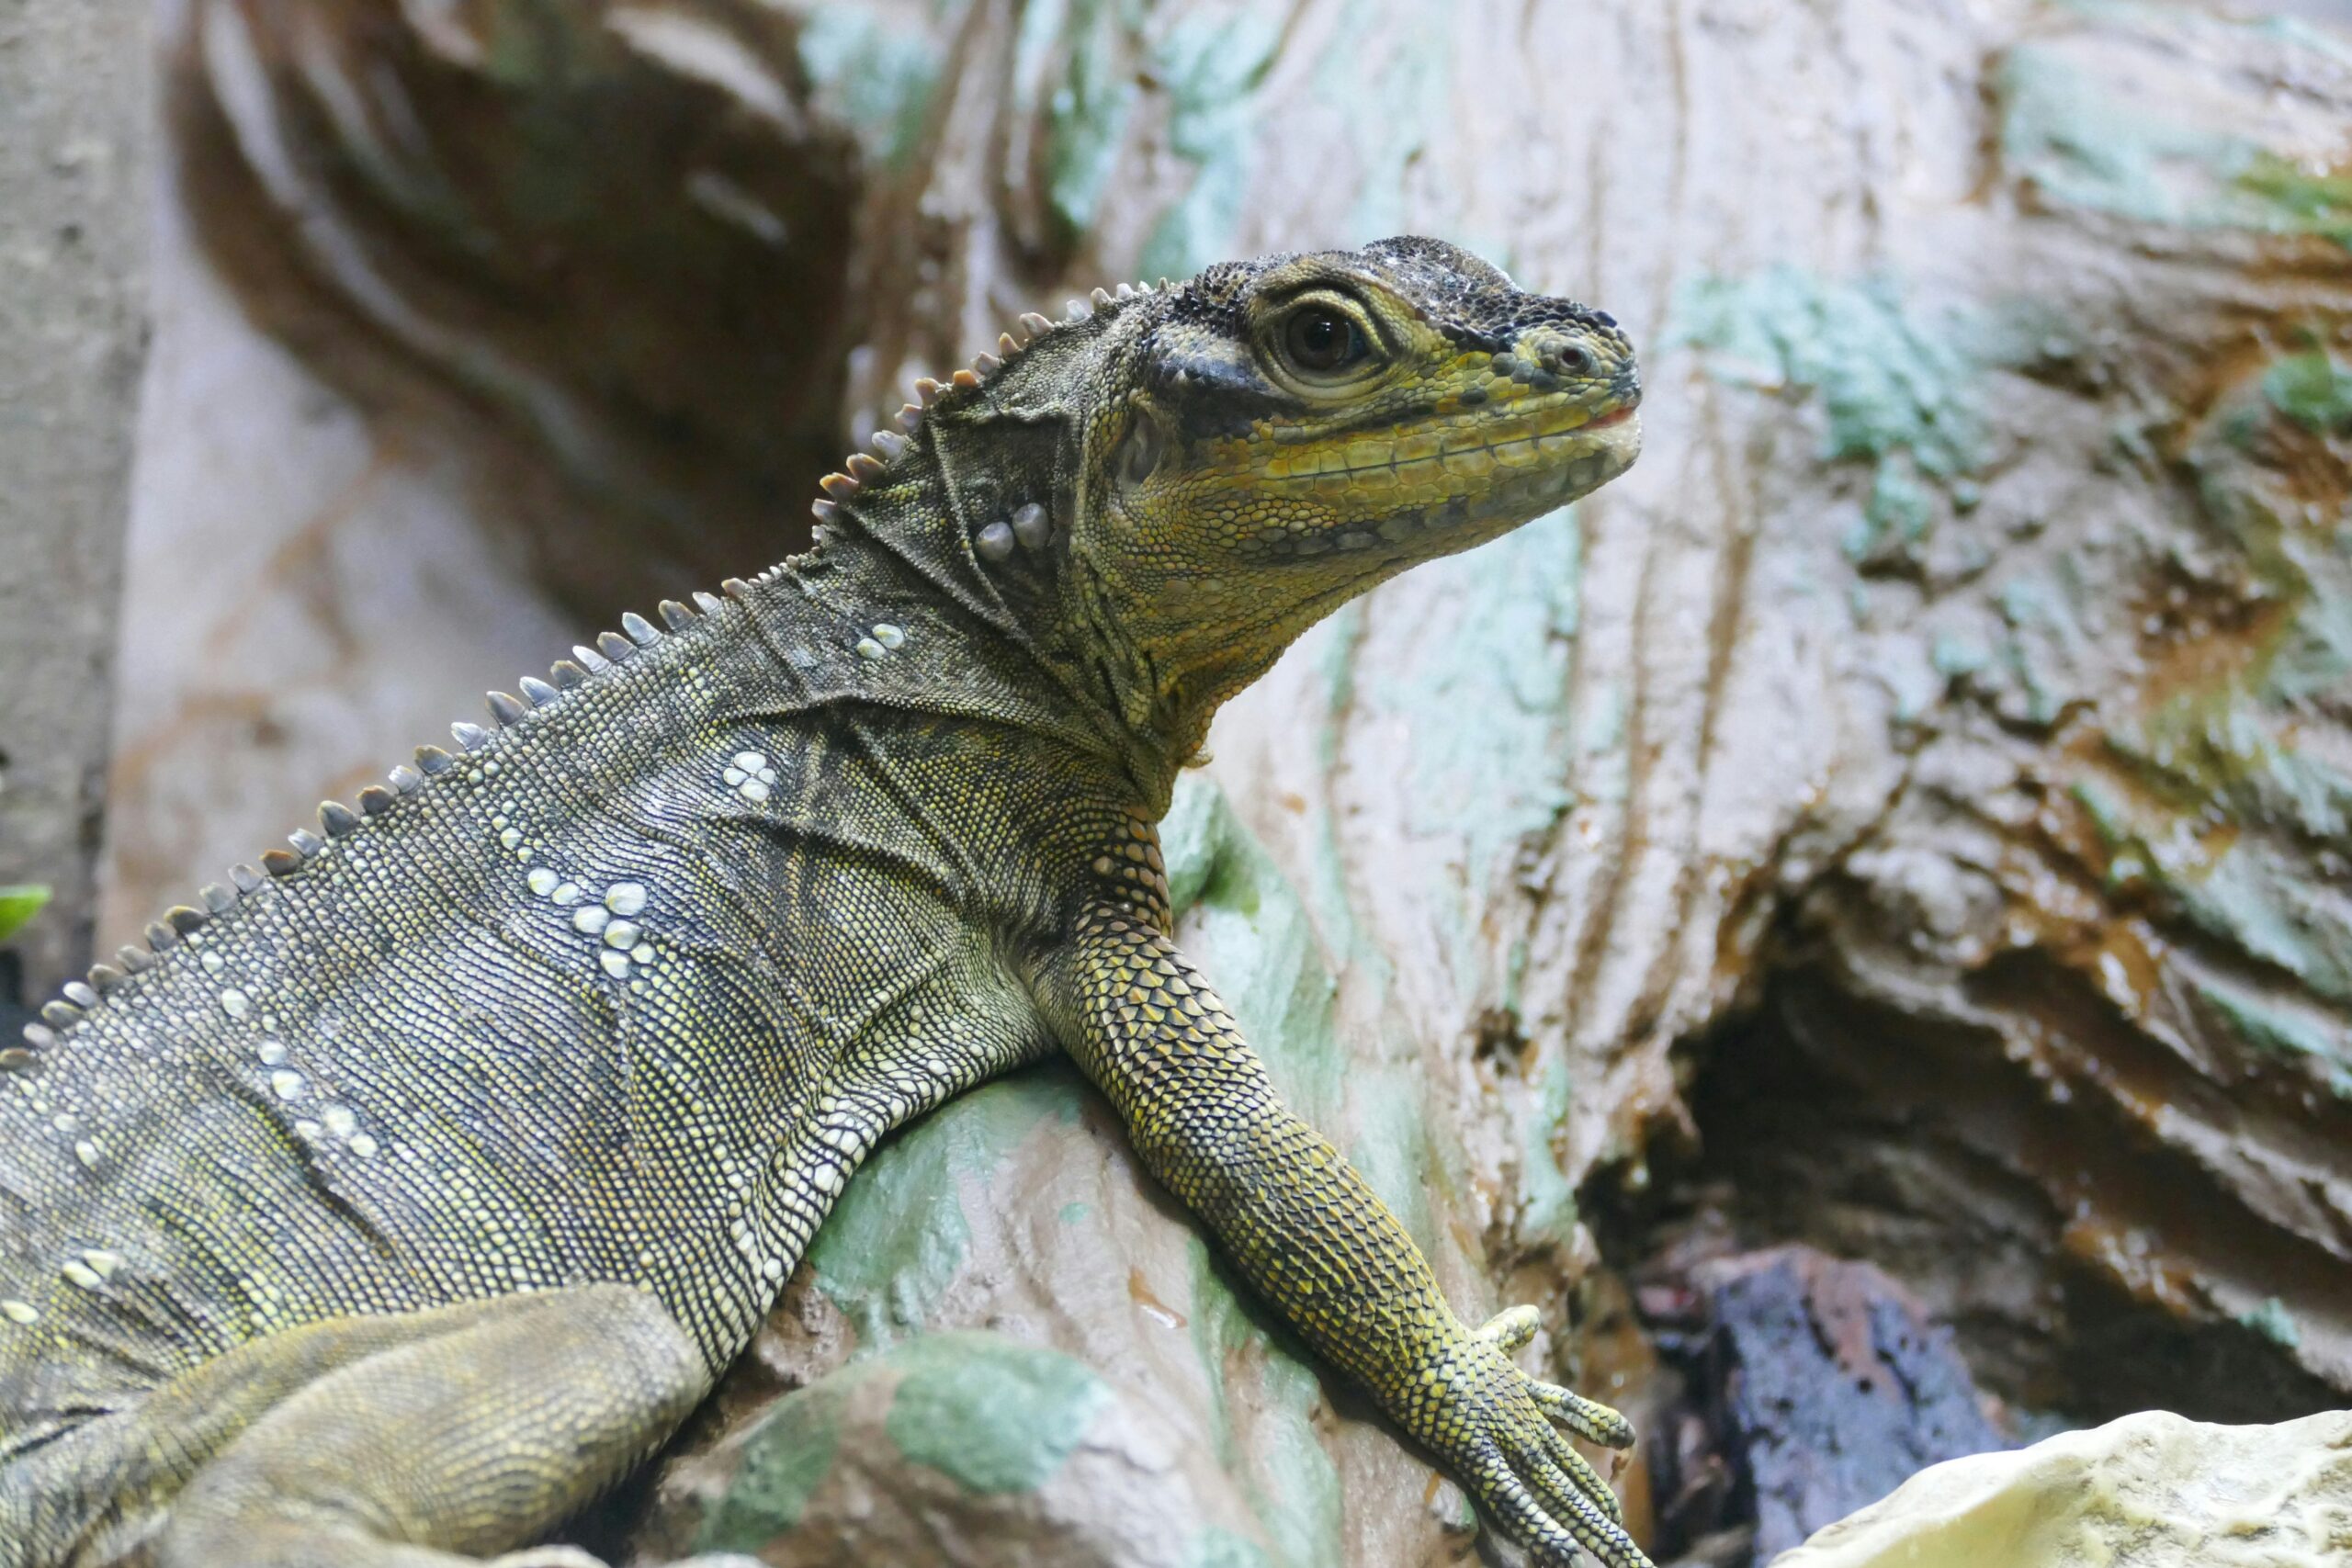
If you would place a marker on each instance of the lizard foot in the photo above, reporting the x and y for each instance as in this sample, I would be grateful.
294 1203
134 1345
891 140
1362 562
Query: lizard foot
1495 1426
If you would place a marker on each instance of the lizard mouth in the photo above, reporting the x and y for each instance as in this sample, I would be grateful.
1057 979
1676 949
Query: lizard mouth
1461 447
1441 491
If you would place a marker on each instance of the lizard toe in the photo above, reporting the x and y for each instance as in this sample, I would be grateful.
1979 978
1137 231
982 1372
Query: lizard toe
1510 1328
1588 1418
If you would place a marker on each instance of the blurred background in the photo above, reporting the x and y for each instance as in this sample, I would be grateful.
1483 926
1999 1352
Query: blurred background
1854 921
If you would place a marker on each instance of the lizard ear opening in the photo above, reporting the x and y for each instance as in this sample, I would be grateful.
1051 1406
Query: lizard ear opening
1142 448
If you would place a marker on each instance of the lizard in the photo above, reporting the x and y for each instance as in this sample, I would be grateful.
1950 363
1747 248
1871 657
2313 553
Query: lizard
410 1188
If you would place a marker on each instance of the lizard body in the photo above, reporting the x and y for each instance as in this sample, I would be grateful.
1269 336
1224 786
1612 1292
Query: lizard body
387 1209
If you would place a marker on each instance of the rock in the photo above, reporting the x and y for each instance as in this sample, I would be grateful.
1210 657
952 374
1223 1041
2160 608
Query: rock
1823 1383
2149 1491
971 1448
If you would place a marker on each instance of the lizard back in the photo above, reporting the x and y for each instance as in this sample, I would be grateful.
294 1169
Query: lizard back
579 1002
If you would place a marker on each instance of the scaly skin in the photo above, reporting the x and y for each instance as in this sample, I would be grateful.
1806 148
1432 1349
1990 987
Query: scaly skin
411 1193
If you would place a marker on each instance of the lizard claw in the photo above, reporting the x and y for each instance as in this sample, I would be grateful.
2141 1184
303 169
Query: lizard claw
1493 1426
1552 1522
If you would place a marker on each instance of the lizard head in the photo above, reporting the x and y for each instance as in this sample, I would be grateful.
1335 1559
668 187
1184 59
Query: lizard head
1165 490
1274 437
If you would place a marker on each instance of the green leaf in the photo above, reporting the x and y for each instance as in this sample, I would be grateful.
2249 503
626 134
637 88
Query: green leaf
19 904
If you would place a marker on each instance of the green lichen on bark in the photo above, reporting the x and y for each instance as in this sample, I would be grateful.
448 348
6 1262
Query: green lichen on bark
785 1459
2087 134
873 77
1072 78
897 1240
1898 385
994 1415
2314 391
1212 60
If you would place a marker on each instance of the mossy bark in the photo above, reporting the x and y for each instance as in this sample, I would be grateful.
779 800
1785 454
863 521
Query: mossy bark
1909 814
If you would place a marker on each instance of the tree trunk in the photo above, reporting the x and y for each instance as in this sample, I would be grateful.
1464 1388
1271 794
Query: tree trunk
74 206
1906 815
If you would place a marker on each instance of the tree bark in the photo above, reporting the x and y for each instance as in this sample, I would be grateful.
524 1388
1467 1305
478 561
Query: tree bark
74 205
1907 815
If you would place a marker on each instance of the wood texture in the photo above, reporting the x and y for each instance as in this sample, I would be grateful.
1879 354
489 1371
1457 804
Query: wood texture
1907 815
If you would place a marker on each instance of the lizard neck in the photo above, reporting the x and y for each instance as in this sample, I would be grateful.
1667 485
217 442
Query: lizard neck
1034 634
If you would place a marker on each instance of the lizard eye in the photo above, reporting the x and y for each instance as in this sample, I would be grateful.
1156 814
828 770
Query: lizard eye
1320 340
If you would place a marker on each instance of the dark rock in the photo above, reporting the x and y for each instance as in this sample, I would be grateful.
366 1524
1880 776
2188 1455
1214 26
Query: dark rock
1823 1384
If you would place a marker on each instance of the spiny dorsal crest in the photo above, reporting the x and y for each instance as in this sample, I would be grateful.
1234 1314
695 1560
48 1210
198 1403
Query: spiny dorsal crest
339 821
891 444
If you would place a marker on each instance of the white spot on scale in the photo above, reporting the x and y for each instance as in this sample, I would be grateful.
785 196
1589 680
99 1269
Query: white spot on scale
23 1313
235 1002
286 1084
541 880
625 898
622 934
272 1054
88 1152
82 1274
591 919
615 964
750 775
362 1145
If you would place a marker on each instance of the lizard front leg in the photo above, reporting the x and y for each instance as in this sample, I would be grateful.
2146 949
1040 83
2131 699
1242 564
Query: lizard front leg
1314 1240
